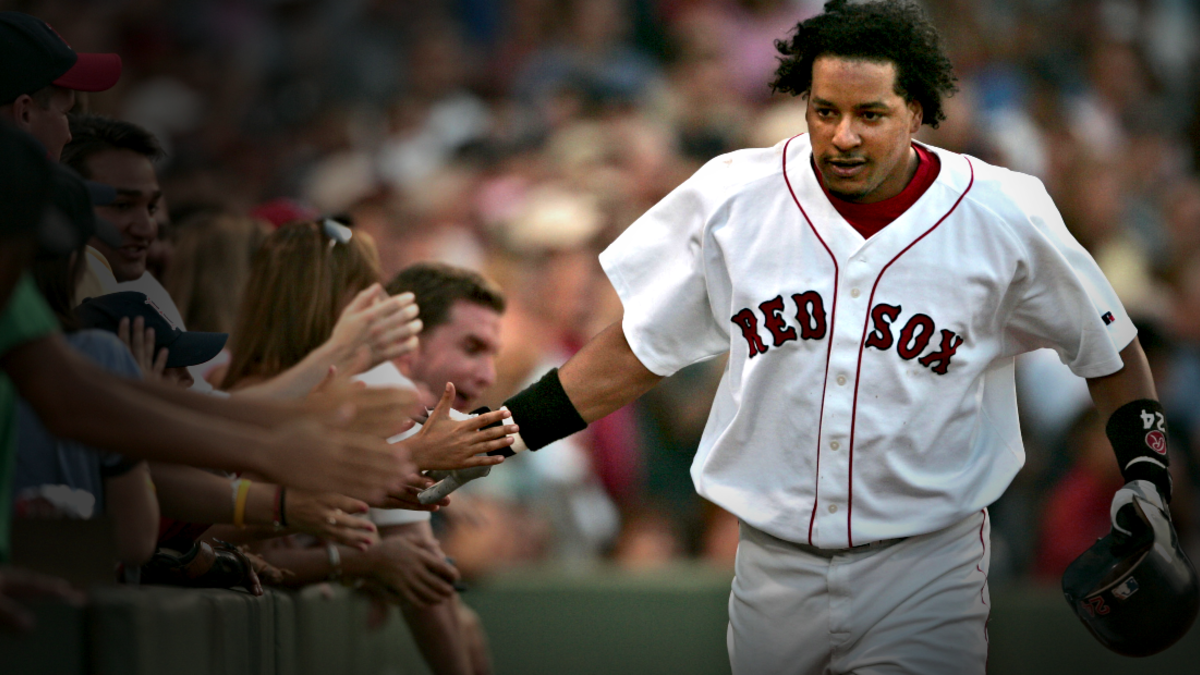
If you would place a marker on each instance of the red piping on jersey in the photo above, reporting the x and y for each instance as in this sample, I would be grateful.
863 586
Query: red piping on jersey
982 553
829 349
979 567
863 341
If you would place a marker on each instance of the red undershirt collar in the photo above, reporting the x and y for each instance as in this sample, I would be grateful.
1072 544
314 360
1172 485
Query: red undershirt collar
871 218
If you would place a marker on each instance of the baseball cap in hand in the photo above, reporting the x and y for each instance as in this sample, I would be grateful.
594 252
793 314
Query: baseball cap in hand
71 222
35 57
185 348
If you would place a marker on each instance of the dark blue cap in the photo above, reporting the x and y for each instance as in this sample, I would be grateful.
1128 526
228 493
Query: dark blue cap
185 348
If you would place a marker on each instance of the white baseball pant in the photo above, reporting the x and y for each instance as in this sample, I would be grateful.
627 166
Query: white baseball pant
915 606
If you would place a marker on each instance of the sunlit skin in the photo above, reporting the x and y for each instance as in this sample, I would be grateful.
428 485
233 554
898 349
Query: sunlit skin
861 129
462 350
133 212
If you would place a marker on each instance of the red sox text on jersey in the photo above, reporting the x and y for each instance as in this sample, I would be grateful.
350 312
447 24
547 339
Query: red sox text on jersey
915 336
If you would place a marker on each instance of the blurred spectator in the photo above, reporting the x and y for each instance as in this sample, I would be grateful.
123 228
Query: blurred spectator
209 269
42 74
302 279
117 486
592 63
121 155
304 300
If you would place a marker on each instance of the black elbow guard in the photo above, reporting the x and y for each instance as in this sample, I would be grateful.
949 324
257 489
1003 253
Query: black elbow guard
544 412
1138 433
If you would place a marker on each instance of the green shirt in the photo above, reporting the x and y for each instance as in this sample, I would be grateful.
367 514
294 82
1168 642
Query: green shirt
25 319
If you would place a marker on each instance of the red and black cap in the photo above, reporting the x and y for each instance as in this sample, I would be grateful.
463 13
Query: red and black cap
34 57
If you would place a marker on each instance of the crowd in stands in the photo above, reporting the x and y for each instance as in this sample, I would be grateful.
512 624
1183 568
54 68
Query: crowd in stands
293 237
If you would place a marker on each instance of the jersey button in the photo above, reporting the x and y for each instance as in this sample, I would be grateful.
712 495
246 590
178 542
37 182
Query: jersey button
835 445
841 379
854 293
833 508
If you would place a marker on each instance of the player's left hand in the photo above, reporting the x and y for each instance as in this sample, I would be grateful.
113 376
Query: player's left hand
1129 511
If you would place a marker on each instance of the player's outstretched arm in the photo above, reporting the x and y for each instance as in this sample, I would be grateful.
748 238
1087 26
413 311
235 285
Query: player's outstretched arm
601 378
605 375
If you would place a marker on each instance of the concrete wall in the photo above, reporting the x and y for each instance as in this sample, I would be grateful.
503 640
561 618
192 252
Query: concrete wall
538 621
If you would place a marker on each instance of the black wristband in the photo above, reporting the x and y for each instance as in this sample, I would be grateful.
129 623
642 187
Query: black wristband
1138 433
544 412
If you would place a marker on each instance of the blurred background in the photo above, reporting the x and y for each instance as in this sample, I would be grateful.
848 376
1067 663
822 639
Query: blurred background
519 137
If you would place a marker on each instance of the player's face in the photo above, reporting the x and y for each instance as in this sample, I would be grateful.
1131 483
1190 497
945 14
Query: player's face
463 351
861 128
133 212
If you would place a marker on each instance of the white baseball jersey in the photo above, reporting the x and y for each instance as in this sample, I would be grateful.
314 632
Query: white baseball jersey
869 391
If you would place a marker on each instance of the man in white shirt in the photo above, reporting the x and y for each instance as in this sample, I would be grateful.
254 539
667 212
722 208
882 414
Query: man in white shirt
461 313
122 155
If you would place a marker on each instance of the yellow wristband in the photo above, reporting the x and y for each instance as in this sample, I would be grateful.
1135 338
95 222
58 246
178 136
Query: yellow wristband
239 508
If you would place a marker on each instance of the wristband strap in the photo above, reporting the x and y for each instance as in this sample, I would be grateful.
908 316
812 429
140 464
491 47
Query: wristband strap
1138 433
544 412
239 505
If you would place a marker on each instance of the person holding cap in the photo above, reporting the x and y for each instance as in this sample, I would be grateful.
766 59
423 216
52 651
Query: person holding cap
161 348
40 76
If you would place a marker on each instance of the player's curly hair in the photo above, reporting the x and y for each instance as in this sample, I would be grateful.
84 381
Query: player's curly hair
886 30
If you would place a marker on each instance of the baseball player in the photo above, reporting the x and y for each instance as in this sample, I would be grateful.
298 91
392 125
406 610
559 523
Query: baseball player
871 293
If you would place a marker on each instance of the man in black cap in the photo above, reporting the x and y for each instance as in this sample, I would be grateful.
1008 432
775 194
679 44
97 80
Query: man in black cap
40 76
